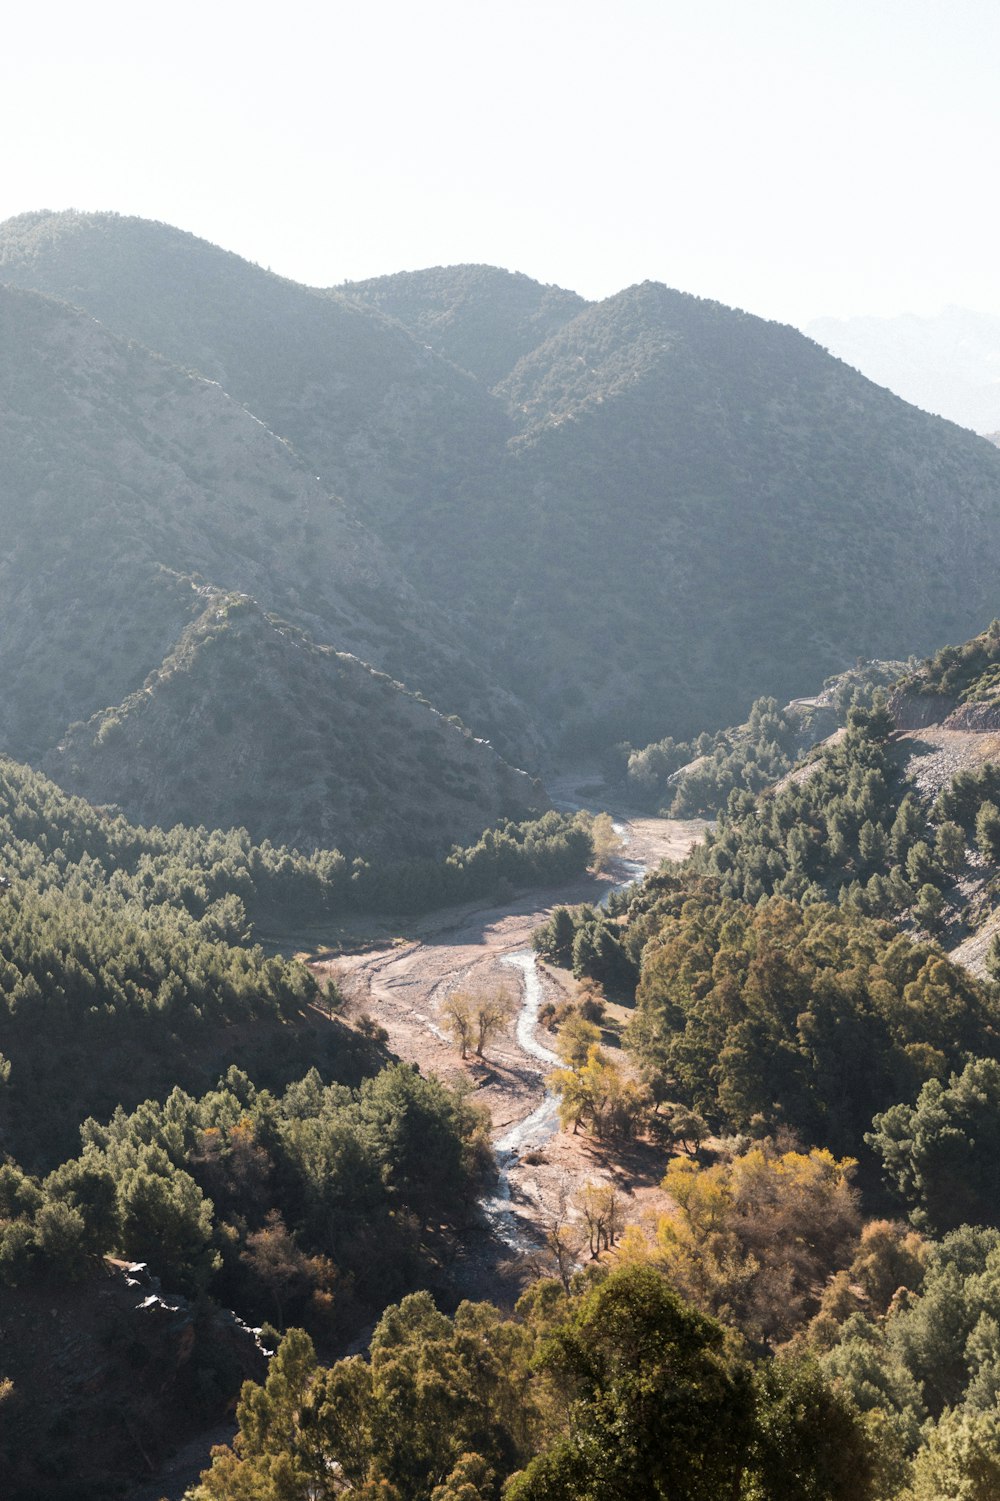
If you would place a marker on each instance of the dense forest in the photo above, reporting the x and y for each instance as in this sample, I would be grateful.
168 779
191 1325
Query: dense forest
815 1316
790 1005
682 778
173 1095
127 960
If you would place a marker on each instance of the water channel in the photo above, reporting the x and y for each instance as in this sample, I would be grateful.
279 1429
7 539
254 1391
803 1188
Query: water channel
541 1125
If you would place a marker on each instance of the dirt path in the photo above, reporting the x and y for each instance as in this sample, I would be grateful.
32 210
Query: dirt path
402 985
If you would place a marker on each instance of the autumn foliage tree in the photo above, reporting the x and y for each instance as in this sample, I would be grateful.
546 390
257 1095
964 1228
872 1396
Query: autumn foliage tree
596 1092
752 1240
475 1019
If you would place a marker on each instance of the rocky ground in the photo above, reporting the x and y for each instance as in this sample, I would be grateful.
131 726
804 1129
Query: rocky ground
933 756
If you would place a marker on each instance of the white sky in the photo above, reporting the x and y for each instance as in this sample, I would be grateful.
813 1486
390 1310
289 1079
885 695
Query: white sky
793 157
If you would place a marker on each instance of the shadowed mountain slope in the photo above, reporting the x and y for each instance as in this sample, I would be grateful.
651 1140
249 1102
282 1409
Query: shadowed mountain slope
738 509
248 722
481 318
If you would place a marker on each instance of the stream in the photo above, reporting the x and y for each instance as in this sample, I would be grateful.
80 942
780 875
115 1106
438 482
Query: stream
402 984
541 1125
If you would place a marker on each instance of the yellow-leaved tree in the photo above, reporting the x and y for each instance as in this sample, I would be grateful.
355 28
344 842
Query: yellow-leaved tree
754 1240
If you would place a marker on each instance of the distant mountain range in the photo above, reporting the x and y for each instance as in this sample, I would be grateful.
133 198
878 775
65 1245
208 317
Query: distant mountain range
948 364
562 523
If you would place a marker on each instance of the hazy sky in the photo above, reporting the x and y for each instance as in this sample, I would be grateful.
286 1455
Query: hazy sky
793 157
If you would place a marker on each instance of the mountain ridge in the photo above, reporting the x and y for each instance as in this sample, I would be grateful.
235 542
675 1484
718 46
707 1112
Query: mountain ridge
482 318
626 533
130 484
248 722
948 363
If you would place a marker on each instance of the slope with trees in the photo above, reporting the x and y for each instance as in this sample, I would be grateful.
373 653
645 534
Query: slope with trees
616 1388
481 318
657 468
129 484
249 722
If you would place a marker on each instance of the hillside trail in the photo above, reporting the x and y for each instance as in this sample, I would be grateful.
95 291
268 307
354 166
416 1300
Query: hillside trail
401 986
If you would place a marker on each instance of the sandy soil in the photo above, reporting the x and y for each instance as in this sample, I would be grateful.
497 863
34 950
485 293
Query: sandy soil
401 986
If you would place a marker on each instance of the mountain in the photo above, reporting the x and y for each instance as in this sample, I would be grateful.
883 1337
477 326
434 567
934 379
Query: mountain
710 506
129 487
948 364
699 506
248 722
663 509
383 419
483 319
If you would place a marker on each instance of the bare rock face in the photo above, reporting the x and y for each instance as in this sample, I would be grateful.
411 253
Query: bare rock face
917 711
978 717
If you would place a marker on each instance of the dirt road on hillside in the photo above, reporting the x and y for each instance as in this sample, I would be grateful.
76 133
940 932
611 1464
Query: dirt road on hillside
401 987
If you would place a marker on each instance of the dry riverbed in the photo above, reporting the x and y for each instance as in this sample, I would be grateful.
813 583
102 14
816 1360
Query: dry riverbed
401 985
399 982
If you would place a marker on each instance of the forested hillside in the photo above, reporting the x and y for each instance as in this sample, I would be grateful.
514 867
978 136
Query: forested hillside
828 1082
171 1095
685 777
119 466
372 409
248 722
127 961
132 493
293 582
482 319
610 477
718 478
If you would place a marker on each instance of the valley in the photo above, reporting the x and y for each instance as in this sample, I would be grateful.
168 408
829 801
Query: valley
346 1044
401 986
400 983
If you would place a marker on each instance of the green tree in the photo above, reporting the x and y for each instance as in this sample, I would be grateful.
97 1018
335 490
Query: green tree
988 831
928 909
942 1155
166 1221
555 938
907 827
809 1444
960 1460
920 864
652 1407
274 1458
872 845
949 845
